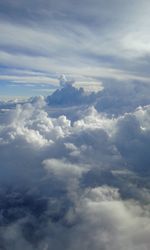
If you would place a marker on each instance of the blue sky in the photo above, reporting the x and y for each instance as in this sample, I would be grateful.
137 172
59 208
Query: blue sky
89 41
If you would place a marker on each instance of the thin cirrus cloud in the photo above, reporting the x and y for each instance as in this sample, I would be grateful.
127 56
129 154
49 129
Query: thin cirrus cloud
81 39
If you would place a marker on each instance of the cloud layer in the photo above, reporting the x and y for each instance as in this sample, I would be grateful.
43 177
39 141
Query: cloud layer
88 41
74 166
75 183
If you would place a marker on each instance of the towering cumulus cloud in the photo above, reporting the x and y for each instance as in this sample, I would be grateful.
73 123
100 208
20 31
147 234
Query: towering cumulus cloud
115 98
76 183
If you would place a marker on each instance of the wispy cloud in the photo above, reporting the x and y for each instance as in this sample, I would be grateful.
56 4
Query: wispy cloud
86 39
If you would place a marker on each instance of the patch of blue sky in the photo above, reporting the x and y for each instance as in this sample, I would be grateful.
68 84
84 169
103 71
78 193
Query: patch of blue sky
23 90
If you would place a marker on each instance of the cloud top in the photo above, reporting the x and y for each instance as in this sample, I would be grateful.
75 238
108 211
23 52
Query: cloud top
64 179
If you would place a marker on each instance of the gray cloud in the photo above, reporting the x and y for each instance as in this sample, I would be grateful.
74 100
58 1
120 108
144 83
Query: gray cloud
63 180
74 167
84 39
114 98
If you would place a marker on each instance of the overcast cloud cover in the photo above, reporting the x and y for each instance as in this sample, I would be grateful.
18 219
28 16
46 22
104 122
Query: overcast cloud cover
74 165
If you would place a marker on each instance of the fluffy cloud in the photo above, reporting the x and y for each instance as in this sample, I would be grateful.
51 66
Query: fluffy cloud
74 183
122 96
74 167
134 133
116 97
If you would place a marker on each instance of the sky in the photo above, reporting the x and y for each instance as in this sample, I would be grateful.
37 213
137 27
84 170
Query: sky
74 163
88 41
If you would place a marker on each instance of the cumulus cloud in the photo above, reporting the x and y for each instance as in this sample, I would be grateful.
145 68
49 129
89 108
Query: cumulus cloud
69 95
122 96
64 82
74 183
115 98
133 131
74 167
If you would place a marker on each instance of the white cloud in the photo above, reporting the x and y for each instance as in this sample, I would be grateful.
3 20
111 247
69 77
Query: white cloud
62 169
116 49
74 183
73 177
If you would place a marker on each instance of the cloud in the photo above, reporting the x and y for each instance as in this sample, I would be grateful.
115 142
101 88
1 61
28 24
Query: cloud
62 169
134 132
109 223
114 98
69 95
74 183
122 96
74 167
90 40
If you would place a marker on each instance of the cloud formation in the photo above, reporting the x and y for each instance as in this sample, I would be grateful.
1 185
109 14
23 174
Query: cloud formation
74 166
114 98
74 183
87 40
